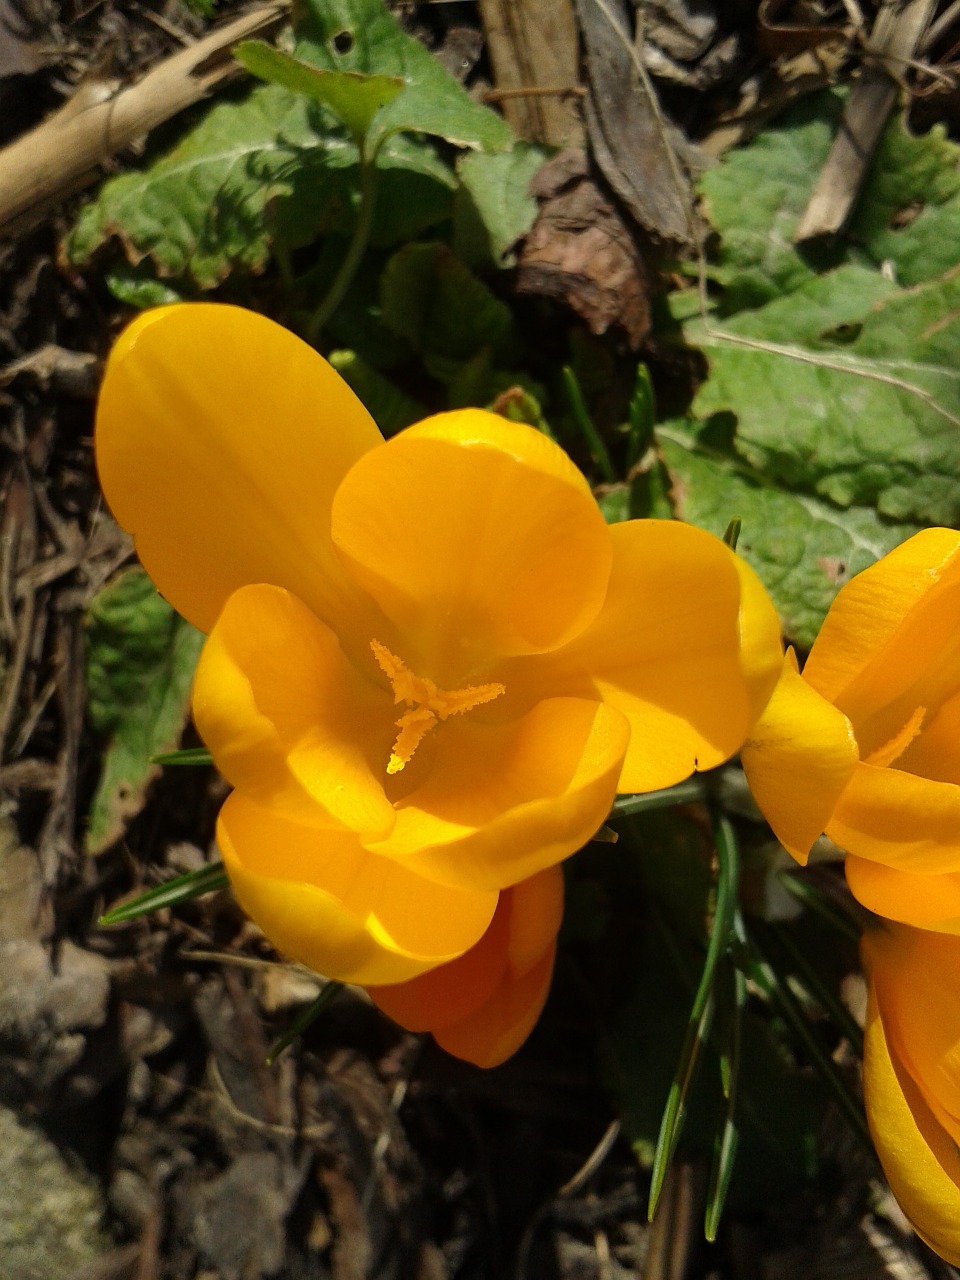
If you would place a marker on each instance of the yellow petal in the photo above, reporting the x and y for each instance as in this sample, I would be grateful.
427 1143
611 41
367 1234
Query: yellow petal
536 913
888 623
916 975
898 819
288 719
667 651
503 801
930 901
322 899
920 1159
798 759
220 441
500 1026
455 990
478 537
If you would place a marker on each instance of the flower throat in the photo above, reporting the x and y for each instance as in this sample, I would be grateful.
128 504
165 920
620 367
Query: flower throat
427 703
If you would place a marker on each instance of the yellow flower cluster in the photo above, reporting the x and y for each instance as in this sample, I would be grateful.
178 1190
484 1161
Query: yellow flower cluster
430 666
865 746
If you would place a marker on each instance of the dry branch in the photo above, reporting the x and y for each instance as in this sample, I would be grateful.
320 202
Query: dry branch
64 152
896 34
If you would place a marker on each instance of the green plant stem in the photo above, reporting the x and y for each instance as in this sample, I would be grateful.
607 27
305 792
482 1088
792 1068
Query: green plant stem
355 250
305 1018
683 793
598 450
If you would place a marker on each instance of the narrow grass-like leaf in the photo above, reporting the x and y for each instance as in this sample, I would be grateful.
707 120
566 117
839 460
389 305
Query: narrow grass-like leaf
683 793
304 1019
808 894
169 894
758 968
641 416
725 1147
188 756
731 535
701 1014
813 984
598 450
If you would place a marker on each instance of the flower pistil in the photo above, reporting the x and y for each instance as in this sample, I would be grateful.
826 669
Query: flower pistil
426 701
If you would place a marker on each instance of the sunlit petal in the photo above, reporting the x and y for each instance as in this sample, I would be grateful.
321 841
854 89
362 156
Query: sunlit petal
899 819
220 441
667 650
478 537
919 1157
503 801
324 900
798 759
930 901
888 623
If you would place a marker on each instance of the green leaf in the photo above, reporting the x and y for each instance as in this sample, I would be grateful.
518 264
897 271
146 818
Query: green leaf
361 35
189 756
169 894
429 297
353 97
250 175
493 208
304 1019
870 422
804 549
140 662
908 214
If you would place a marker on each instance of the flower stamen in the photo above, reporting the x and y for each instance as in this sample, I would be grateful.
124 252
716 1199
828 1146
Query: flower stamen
428 703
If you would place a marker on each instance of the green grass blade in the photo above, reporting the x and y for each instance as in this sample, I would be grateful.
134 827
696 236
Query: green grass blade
641 415
698 1027
758 968
189 755
598 450
304 1019
810 896
815 987
731 535
683 793
725 1147
169 894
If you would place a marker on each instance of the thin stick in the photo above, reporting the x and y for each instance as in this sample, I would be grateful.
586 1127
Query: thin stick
64 153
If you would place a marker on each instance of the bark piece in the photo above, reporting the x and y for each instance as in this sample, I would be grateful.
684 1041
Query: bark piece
581 252
533 48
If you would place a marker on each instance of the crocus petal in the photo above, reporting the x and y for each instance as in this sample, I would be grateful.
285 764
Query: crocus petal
288 719
324 900
798 759
220 441
521 938
919 1158
887 624
478 537
503 801
666 650
932 902
916 974
899 819
499 1027
453 991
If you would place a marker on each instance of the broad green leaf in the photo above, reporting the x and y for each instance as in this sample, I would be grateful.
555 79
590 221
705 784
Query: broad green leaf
266 170
908 214
870 422
140 662
429 297
804 549
361 35
493 208
352 97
